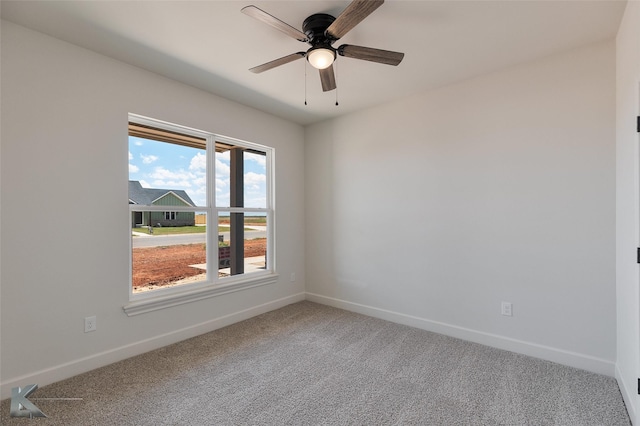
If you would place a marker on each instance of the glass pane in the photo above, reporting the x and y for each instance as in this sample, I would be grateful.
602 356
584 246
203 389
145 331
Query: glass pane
223 178
255 180
224 244
166 174
252 237
255 241
166 256
254 188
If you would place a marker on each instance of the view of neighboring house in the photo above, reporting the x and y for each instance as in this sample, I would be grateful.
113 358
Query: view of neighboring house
160 197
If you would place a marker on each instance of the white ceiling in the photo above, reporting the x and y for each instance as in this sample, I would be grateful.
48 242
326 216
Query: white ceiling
211 44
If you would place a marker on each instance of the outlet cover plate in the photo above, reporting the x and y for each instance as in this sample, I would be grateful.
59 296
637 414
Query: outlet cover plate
507 309
90 324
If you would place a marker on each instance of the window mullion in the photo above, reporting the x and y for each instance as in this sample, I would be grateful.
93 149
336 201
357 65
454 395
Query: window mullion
270 263
212 214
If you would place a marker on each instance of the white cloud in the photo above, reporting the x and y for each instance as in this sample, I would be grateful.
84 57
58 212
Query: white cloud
148 159
160 173
256 202
132 167
171 184
252 178
198 162
194 180
222 169
199 196
144 183
222 200
260 159
221 183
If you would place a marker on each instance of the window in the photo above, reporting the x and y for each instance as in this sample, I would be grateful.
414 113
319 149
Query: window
217 235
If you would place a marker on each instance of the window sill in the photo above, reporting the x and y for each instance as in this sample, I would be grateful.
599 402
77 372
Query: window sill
188 295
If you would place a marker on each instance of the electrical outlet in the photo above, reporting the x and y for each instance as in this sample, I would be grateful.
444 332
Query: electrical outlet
293 276
90 324
507 309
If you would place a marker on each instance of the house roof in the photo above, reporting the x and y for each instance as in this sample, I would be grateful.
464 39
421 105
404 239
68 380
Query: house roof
147 196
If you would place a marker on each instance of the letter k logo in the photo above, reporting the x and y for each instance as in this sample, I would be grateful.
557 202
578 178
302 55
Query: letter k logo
21 406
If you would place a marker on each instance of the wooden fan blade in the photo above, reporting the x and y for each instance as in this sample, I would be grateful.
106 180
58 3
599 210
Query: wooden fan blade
328 79
277 62
352 16
279 25
370 54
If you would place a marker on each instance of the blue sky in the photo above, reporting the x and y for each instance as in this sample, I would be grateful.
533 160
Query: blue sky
169 166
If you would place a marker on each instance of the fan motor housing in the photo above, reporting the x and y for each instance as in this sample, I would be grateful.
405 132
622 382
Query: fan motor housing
315 26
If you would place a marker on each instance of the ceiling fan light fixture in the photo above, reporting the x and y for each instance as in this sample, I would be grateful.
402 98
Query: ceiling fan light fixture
321 57
321 30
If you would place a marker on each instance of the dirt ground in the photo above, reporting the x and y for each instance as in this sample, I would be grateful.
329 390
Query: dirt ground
162 266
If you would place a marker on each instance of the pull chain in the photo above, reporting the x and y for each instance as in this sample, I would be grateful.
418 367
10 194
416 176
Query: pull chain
336 77
305 82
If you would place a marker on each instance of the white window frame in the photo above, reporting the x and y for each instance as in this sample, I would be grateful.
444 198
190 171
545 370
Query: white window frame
162 298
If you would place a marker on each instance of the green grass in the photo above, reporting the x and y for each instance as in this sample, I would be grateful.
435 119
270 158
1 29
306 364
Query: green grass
175 230
171 230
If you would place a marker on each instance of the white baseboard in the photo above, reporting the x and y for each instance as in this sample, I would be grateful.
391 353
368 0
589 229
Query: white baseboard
560 356
629 396
82 365
79 366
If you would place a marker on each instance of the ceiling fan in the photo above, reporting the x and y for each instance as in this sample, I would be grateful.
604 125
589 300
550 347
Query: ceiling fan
321 30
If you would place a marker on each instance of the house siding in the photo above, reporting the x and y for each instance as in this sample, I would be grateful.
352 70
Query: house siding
182 219
156 218
169 199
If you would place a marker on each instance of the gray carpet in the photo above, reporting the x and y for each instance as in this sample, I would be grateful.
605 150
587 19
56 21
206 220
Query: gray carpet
309 364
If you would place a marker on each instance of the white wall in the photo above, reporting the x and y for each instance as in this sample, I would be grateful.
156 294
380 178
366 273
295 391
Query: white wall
428 211
433 210
65 236
627 203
